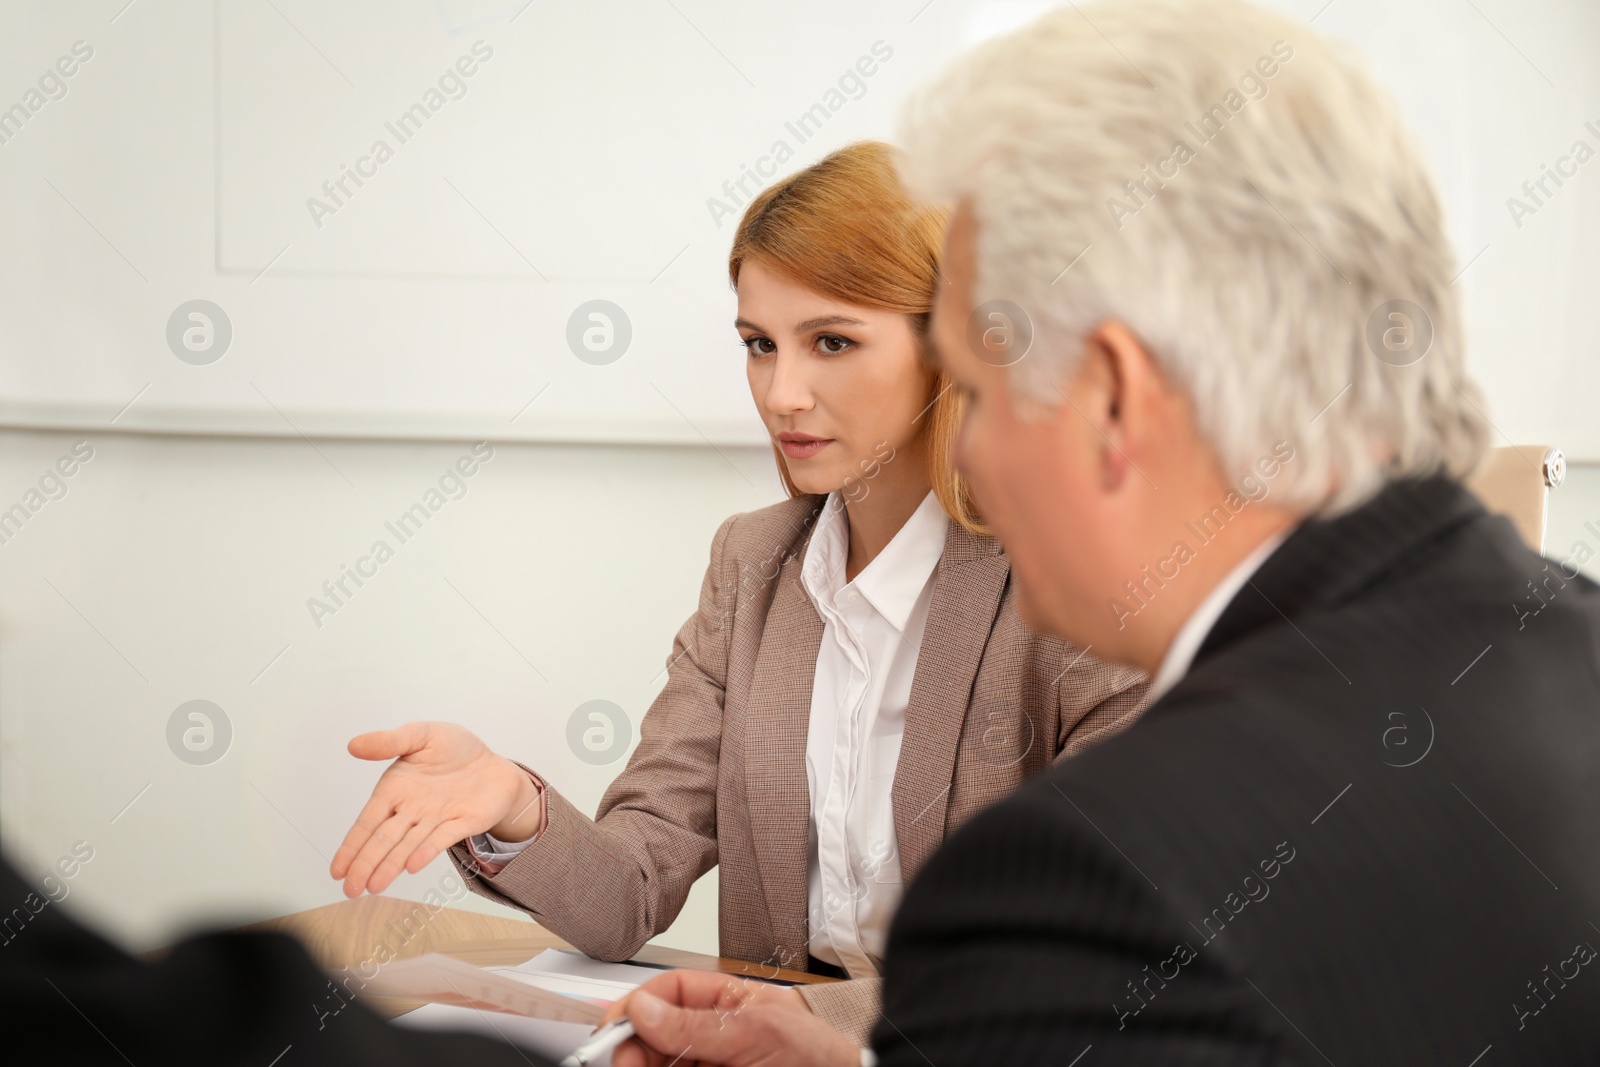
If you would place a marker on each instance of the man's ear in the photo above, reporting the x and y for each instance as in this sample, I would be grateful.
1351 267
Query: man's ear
1131 394
1098 391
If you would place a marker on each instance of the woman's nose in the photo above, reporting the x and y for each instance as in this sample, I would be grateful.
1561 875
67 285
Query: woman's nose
789 388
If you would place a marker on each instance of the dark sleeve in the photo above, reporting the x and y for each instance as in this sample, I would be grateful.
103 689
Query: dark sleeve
246 999
1028 938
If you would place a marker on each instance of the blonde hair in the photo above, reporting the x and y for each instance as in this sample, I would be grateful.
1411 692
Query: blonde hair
1240 193
844 227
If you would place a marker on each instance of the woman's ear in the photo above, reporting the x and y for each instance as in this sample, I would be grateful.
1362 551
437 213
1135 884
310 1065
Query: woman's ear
922 337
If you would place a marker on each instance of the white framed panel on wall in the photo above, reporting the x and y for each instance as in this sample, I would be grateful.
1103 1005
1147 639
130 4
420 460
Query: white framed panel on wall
495 218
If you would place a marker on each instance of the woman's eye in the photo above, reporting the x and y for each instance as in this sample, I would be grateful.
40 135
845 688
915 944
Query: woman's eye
833 344
758 346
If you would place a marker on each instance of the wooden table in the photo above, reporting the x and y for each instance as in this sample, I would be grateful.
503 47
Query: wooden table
351 932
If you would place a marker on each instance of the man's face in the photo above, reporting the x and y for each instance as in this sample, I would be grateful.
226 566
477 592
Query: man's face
1032 466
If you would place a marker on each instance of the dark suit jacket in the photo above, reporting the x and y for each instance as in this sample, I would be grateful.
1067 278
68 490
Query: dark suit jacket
243 999
1364 829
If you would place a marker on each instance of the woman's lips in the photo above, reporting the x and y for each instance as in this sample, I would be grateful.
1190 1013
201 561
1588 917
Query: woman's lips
803 449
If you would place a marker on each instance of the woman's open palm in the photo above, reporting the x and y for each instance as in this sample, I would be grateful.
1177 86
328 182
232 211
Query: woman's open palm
444 785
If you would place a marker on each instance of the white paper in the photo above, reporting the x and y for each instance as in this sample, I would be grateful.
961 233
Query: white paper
553 970
554 1040
554 961
566 985
443 979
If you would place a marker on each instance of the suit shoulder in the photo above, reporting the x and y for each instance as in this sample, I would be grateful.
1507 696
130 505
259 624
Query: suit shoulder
755 536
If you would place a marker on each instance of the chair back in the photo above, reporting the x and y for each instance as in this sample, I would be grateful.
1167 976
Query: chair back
1516 482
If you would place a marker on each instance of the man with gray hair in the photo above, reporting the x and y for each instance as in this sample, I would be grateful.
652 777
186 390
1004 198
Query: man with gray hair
1198 295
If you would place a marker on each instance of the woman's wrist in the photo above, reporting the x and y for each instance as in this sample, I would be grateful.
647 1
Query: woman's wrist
525 816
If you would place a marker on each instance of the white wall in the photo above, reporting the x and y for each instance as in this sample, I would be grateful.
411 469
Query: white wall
179 568
580 165
1573 519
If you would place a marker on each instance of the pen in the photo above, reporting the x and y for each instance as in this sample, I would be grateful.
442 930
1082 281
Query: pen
604 1039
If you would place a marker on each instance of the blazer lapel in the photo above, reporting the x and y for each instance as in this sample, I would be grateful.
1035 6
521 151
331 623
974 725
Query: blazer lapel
966 595
777 719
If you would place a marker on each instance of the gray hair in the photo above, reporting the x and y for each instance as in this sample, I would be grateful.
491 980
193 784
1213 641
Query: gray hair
1242 195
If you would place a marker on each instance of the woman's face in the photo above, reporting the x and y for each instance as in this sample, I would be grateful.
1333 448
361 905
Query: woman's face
841 388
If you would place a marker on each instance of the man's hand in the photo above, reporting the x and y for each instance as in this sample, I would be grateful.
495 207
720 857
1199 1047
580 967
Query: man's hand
686 1018
444 785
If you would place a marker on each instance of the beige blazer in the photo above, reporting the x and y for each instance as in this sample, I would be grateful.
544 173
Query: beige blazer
719 775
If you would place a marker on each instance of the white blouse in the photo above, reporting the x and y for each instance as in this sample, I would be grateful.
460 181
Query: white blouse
871 636
872 632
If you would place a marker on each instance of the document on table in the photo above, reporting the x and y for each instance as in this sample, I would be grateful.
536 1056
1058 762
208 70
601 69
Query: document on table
578 975
445 980
586 985
555 1041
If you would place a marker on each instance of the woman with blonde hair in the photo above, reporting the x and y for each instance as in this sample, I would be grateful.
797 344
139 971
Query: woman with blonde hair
856 681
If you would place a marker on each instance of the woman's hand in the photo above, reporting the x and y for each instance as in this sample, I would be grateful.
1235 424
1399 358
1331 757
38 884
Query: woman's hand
685 1018
444 785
